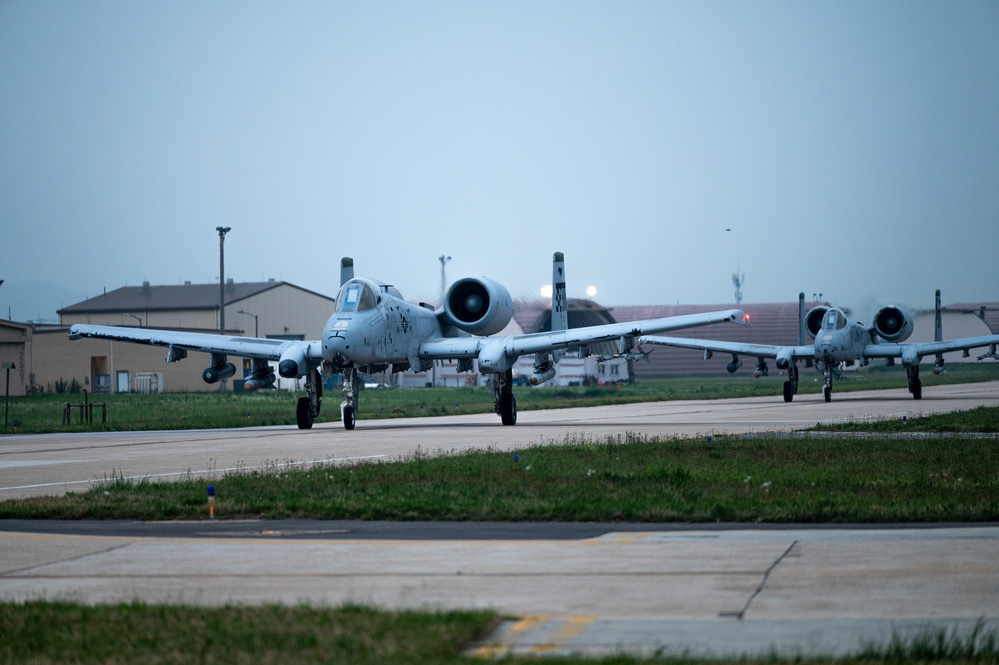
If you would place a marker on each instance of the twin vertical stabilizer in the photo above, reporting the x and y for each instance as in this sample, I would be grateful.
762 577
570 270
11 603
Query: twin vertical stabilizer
346 270
560 308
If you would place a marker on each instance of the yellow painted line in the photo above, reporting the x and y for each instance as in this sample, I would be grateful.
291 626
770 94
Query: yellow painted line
528 623
502 648
572 627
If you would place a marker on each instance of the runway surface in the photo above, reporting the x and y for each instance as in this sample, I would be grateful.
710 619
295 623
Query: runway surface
589 588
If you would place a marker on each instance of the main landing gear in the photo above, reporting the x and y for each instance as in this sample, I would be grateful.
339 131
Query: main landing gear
348 407
308 407
915 384
506 403
827 386
791 385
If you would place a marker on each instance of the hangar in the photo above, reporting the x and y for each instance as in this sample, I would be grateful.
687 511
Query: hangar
272 309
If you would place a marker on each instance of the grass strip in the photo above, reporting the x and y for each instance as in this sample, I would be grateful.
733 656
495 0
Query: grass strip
44 633
982 419
59 632
879 478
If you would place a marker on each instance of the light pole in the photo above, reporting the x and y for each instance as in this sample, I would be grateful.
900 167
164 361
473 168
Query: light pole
134 317
256 322
6 411
222 231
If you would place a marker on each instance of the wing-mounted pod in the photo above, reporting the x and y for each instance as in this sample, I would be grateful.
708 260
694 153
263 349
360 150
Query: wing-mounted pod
813 320
219 370
892 324
478 305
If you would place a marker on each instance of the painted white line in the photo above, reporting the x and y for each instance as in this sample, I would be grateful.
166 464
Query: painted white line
16 464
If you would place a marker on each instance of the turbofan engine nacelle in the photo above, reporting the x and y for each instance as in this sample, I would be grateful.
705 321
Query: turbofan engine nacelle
813 320
292 363
478 305
893 324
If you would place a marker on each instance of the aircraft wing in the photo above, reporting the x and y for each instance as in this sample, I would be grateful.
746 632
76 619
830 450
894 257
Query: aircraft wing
737 348
514 346
911 352
244 347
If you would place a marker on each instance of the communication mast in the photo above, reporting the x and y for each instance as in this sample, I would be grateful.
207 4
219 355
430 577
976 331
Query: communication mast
738 279
443 259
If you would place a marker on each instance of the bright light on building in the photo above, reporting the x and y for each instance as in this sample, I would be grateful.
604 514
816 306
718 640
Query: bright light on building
591 291
546 291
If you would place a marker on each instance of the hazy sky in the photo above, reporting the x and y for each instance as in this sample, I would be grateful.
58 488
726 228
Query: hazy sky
851 147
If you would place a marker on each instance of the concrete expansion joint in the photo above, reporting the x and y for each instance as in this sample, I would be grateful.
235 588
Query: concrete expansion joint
21 571
741 614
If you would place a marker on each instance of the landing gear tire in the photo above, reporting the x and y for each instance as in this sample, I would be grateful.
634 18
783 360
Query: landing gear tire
788 391
508 409
303 413
917 389
348 417
827 393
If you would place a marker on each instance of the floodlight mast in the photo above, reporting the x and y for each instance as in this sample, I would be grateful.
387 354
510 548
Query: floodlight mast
222 231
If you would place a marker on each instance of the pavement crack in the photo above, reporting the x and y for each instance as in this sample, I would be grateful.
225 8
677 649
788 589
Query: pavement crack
741 614
20 572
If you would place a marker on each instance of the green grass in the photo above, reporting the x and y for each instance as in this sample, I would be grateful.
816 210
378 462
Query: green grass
44 633
54 632
127 412
877 478
982 419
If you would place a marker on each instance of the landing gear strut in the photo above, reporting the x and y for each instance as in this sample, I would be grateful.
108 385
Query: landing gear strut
791 385
915 384
827 387
506 403
348 407
308 407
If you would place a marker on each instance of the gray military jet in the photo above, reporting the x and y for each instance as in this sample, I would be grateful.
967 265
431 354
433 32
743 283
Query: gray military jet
373 329
839 341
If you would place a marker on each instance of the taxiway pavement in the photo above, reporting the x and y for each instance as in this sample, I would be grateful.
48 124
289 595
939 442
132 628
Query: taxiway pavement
597 589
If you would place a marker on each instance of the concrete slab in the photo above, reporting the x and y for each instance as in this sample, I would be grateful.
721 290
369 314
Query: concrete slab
739 591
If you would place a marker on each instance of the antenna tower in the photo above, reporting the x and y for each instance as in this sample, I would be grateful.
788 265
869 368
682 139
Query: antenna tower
738 279
443 259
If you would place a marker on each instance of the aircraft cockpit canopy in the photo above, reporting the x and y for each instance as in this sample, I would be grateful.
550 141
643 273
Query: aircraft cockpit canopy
356 296
835 320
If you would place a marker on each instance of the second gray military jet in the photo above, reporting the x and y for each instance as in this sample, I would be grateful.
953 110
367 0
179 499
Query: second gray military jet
839 341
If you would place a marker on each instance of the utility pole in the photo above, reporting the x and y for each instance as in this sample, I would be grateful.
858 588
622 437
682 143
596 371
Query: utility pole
222 231
6 412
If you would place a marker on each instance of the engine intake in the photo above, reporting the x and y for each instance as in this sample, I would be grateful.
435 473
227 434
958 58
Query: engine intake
893 324
813 320
478 305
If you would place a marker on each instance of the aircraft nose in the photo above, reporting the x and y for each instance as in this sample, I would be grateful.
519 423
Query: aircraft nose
336 342
824 347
